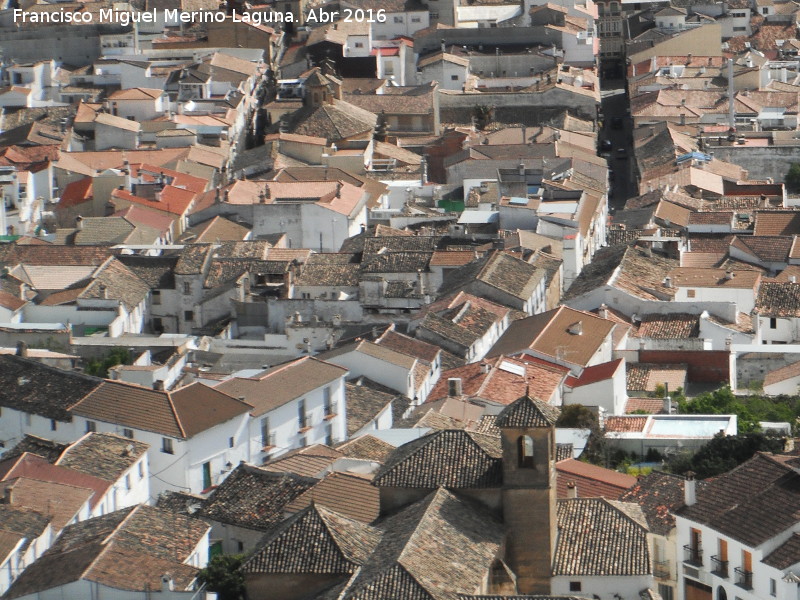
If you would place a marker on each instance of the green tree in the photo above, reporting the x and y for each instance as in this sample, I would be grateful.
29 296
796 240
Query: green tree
724 453
100 367
222 575
577 416
793 178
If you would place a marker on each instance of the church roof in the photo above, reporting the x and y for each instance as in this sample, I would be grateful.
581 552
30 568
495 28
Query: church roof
528 412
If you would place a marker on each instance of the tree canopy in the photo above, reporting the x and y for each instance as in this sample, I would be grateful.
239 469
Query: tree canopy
222 575
723 453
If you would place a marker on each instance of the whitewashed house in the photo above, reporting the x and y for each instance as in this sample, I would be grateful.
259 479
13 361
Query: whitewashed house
292 405
196 434
741 545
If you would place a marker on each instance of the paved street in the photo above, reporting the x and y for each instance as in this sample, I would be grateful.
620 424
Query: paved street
614 105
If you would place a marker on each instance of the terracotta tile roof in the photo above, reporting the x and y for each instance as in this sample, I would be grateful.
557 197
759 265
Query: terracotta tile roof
659 494
599 537
451 458
47 449
595 373
625 424
768 509
172 200
499 270
103 455
786 555
764 248
719 278
301 463
340 270
22 522
646 377
652 406
626 268
348 494
254 498
375 351
778 299
775 222
503 380
215 230
364 403
10 301
180 414
711 218
39 496
117 122
591 481
367 447
35 467
672 214
782 374
337 121
75 193
129 550
528 412
410 346
30 386
341 545
668 326
562 333
137 94
283 383
12 254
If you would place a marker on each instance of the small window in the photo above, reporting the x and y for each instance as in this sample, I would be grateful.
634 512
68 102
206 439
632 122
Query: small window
302 418
230 442
416 20
574 586
398 19
53 424
156 296
329 435
187 288
773 587
454 77
166 446
525 450
240 546
188 315
773 323
27 419
690 293
127 482
265 435
141 469
358 44
91 426
128 433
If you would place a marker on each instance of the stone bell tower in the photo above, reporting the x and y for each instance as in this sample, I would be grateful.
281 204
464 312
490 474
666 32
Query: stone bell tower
529 491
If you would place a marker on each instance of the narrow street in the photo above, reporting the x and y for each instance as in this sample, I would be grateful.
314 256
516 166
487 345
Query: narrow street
617 128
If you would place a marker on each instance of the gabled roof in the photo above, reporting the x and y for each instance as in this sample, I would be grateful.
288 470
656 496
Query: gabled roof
778 299
659 494
180 414
591 480
769 507
453 458
283 383
32 387
527 412
254 498
129 549
599 537
367 447
341 545
103 455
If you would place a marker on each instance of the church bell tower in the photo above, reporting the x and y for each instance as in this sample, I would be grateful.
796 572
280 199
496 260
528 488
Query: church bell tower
529 491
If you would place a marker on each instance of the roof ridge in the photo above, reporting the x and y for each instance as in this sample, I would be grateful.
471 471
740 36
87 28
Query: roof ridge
175 414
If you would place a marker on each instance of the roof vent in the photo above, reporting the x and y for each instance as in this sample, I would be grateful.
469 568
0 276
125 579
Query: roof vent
576 328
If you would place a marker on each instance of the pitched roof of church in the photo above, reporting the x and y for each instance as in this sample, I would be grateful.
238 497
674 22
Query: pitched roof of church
528 412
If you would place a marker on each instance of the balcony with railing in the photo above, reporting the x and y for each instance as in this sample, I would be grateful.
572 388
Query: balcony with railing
661 569
693 555
719 567
744 579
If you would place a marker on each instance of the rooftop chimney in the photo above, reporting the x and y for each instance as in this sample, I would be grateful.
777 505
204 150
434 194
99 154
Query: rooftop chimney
79 222
729 275
667 405
572 490
792 279
158 385
167 583
338 189
22 349
602 312
454 388
689 490
485 367
8 495
668 281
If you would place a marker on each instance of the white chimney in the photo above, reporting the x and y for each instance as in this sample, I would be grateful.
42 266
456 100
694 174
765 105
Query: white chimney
454 388
690 490
792 279
485 367
572 490
167 583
